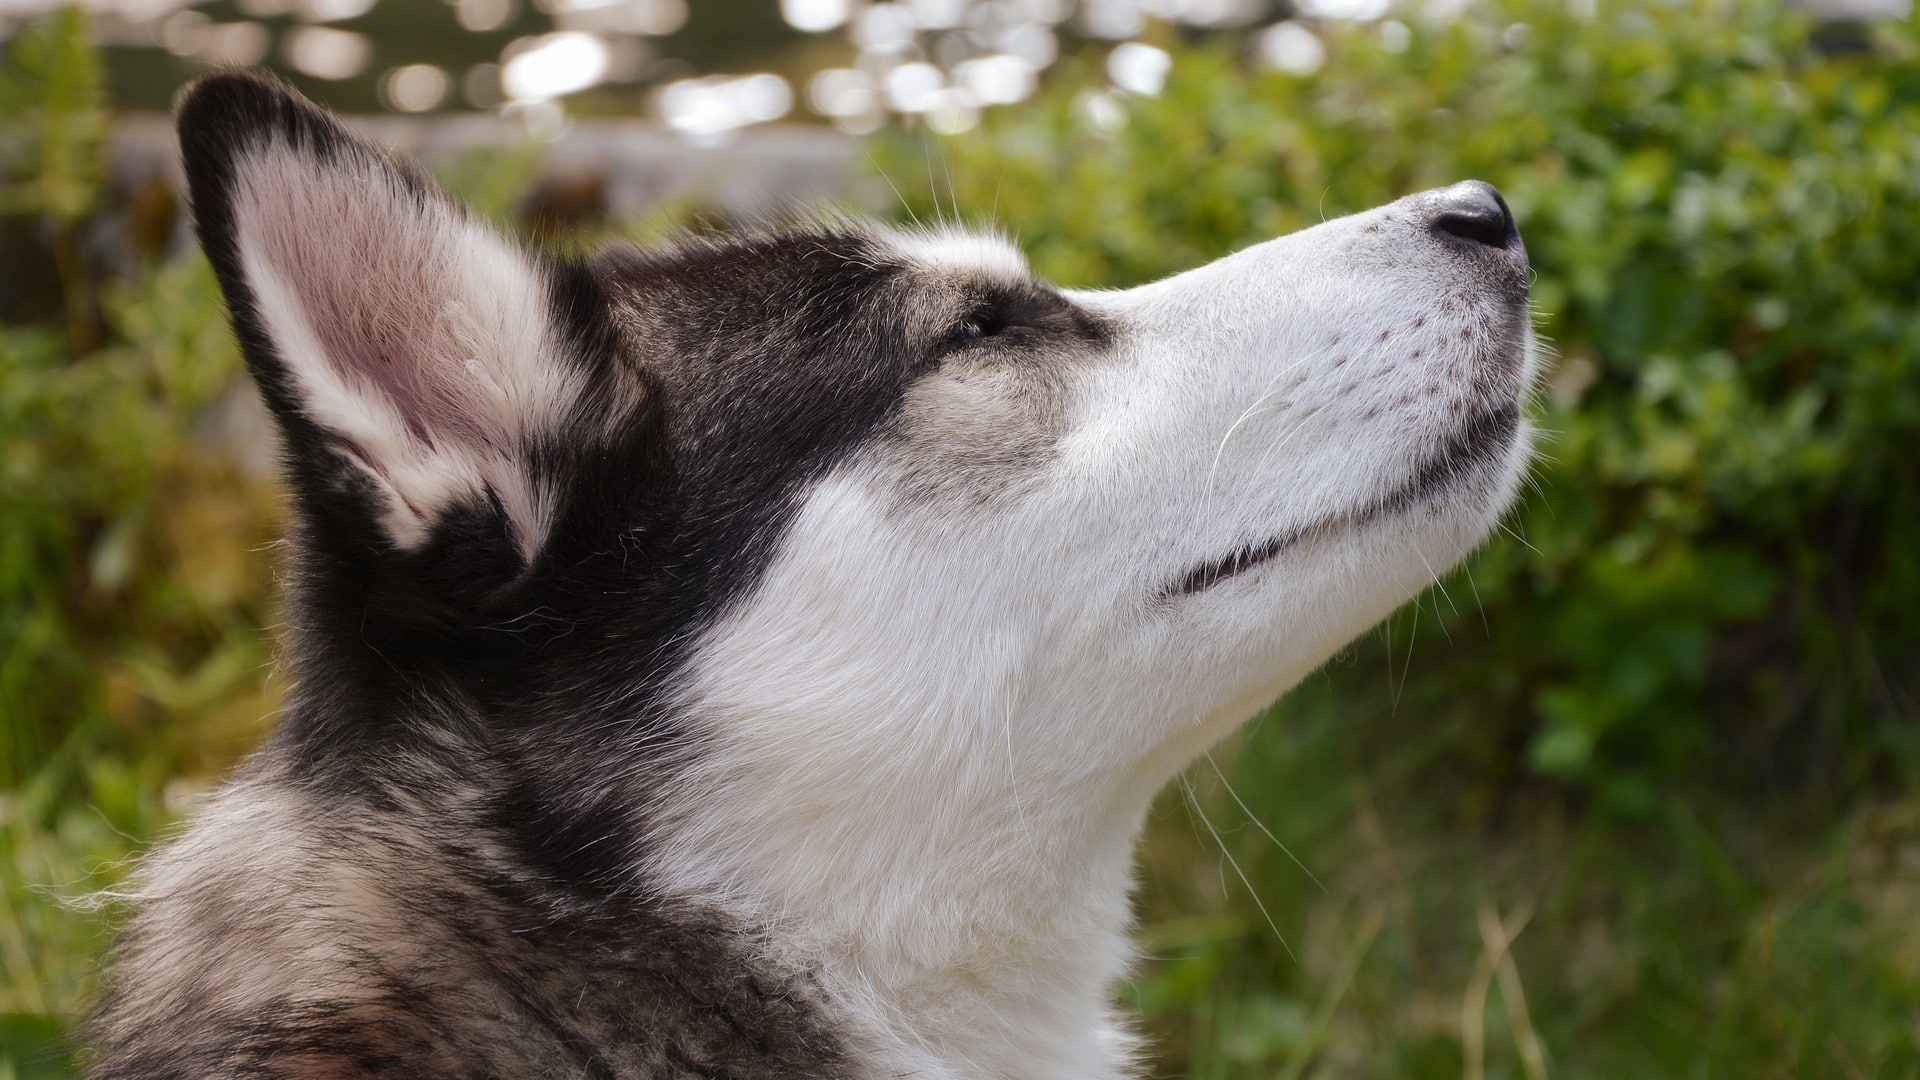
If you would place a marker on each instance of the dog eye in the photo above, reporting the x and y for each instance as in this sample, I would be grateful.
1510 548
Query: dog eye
982 322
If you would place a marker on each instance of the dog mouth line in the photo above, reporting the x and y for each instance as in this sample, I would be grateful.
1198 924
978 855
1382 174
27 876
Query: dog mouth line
1483 437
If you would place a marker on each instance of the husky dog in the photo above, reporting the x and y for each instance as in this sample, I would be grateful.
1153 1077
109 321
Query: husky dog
754 658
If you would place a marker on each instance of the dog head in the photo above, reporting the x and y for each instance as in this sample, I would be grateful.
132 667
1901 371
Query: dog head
855 525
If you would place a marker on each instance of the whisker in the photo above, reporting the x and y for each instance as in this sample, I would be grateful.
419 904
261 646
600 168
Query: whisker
1194 802
953 192
1251 410
1278 444
1257 823
904 204
1504 527
933 185
1477 602
1013 772
1435 578
1386 630
1413 634
1213 469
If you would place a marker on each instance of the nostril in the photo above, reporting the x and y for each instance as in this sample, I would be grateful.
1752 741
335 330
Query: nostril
1479 228
1474 211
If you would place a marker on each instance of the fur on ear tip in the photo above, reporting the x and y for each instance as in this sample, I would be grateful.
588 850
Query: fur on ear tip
230 84
220 118
407 348
223 117
221 113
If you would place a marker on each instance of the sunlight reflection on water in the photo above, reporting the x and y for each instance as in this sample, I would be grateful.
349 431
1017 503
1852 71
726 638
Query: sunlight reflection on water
860 63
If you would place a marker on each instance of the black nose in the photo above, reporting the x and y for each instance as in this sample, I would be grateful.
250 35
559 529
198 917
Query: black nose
1474 211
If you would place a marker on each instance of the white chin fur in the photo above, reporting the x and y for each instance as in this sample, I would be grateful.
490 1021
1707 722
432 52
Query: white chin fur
937 722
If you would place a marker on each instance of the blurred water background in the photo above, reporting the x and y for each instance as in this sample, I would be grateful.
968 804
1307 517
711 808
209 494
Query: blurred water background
703 66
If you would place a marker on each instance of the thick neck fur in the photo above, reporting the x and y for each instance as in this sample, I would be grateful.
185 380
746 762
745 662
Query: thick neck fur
969 926
962 901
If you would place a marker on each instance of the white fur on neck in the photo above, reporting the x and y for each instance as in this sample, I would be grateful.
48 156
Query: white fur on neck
931 851
931 731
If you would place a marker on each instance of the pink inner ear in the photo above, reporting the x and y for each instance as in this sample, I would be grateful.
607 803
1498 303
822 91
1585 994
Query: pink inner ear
414 333
380 316
387 363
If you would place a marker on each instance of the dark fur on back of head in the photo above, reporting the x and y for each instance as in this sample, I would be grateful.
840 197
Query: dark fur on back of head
472 738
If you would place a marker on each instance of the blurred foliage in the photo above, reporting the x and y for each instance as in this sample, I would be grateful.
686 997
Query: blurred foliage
1724 224
131 589
53 92
135 517
1667 743
1669 724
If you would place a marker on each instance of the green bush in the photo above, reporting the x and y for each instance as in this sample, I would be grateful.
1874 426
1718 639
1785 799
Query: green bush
136 518
1668 742
1671 723
132 596
1718 571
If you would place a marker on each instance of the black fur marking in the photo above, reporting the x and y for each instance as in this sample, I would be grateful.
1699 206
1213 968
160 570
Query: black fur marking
1464 455
508 932
1004 317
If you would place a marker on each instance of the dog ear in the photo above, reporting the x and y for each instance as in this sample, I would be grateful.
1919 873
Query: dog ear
411 353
